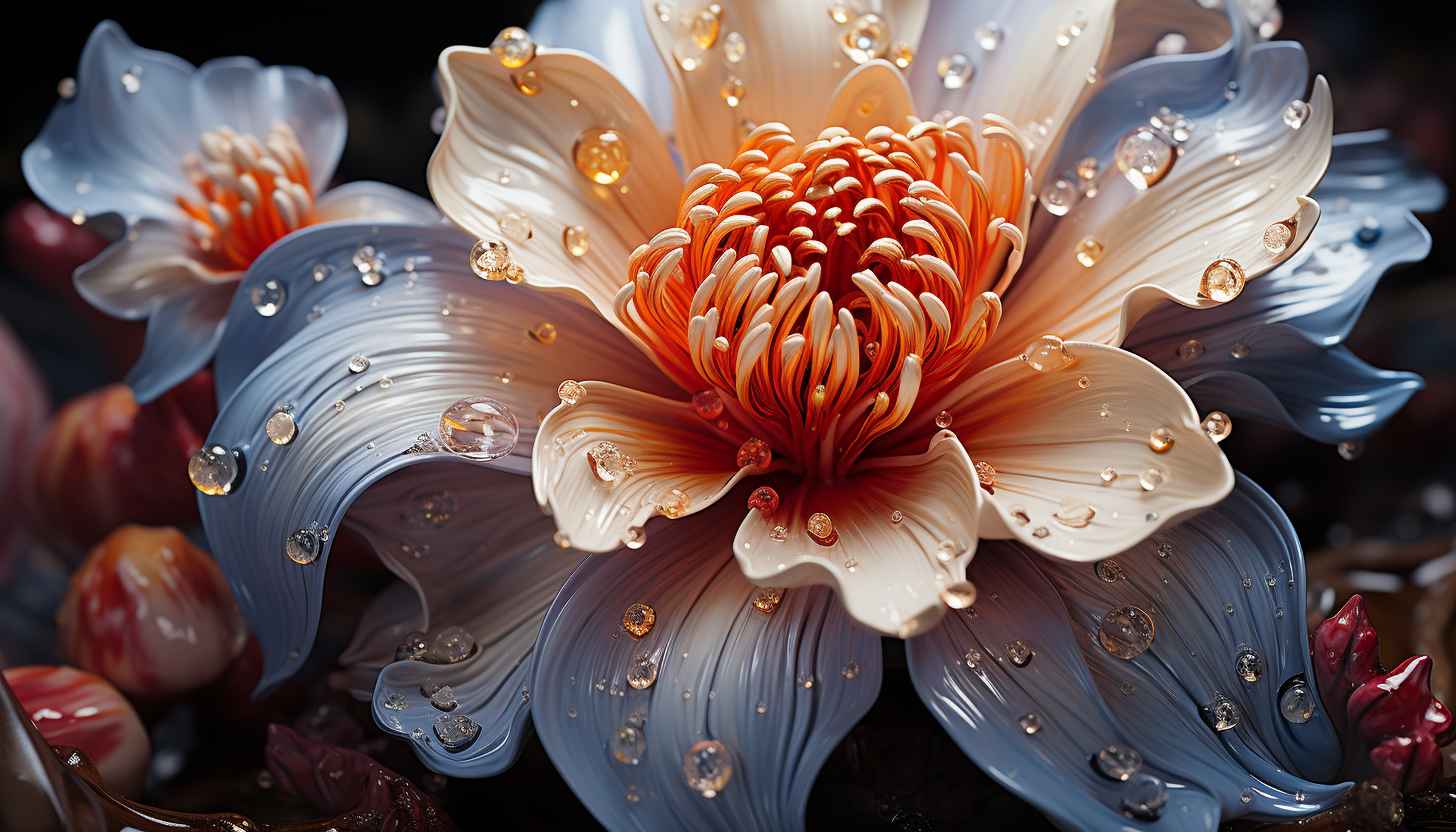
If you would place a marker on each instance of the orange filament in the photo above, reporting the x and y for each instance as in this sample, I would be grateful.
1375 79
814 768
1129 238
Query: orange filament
254 192
823 289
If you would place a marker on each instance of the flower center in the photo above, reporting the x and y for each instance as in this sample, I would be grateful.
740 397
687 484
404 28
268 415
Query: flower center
254 191
822 289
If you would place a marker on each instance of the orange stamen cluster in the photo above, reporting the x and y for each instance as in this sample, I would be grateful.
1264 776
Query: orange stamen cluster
254 192
823 289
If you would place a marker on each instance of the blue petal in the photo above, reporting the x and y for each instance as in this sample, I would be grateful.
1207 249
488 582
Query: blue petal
183 331
377 202
1086 698
433 333
1374 168
614 32
481 558
777 689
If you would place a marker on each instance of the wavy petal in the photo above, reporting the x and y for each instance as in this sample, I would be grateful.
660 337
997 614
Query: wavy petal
778 689
888 573
433 333
1156 243
1372 167
492 127
1085 699
872 94
673 447
183 331
156 260
376 201
472 553
1050 440
1140 24
793 61
614 32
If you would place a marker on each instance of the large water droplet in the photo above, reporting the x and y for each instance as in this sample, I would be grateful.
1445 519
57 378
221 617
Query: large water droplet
601 155
1088 250
213 469
281 427
478 428
1020 652
1190 349
268 298
1030 723
1047 353
765 500
734 47
866 39
641 672
1125 632
638 620
1145 797
1249 665
628 745
413 648
1144 155
767 599
302 546
955 70
708 767
608 463
1296 701
456 731
1218 425
989 35
514 47
1074 513
1222 281
452 644
959 595
1118 763
1296 114
1058 196
1160 440
1221 714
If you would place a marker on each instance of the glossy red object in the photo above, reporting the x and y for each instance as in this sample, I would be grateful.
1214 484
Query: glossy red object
1346 654
151 613
73 707
103 460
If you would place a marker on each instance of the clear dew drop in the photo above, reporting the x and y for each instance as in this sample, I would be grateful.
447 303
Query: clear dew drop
641 672
973 658
1020 652
607 462
955 70
1278 236
1221 714
734 47
989 35
478 427
708 767
1246 796
1296 701
444 699
517 226
866 39
897 517
779 533
1222 281
1125 632
1240 349
627 745
1218 425
513 47
570 392
1108 474
943 419
1058 196
1144 797
213 469
1190 350
131 80
1088 250
358 363
602 156
1047 353
1144 155
395 701
1117 762
268 298
281 427
1296 114
1030 723
1249 665
851 565
1074 513
489 259
302 547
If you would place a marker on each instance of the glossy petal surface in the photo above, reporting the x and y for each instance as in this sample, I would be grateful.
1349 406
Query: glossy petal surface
777 689
183 331
615 33
73 707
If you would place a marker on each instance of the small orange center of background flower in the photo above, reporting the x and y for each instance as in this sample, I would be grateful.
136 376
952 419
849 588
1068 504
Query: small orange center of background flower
254 191
822 289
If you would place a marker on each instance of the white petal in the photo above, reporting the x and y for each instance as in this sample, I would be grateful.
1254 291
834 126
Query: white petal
375 201
874 93
133 275
493 127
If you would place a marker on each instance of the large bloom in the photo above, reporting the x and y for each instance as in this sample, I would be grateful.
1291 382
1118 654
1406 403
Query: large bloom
837 313
206 167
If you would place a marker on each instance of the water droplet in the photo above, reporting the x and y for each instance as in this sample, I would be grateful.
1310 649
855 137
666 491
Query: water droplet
765 499
1249 665
517 226
821 529
734 47
767 598
985 475
955 70
779 533
1074 513
602 155
1278 236
340 405
1145 797
1118 763
1030 723
1088 251
478 428
1222 281
1047 353
1240 349
576 240
1125 632
452 644
268 298
131 80
302 546
943 419
1058 196
1296 114
413 648
1246 796
1172 43
755 453
1128 688
1020 652
897 517
1040 532
1190 349
513 47
1218 425
959 595
1160 440
1109 571
989 35
1108 474
628 745
1144 155
1350 451
213 469
1221 714
570 392
444 699
66 88
851 564
490 259
358 363
688 54
1165 550
608 462
281 427
708 767
866 39
641 672
1296 701
638 620
674 504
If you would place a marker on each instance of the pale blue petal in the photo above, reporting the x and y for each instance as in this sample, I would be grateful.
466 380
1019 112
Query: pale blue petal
364 200
1372 167
433 335
1086 698
615 33
183 331
482 558
721 660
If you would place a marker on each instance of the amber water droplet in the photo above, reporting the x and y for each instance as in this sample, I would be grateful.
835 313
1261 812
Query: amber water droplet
707 403
986 476
1047 353
901 54
1144 155
1087 168
765 500
959 595
955 70
946 551
1160 440
302 547
733 90
704 28
674 504
754 452
821 529
576 240
490 259
1222 281
513 47
602 155
1218 425
570 392
1278 236
608 463
213 470
1125 632
943 419
479 428
1151 478
529 83
767 598
1108 474
638 620
1084 382
866 39
1088 250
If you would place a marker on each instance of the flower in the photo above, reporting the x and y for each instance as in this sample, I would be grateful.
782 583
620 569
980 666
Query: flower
681 641
206 167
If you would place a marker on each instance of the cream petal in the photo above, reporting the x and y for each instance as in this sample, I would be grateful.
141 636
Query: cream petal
493 127
1028 78
1140 24
792 63
874 93
1156 243
888 574
375 201
155 260
1047 438
673 447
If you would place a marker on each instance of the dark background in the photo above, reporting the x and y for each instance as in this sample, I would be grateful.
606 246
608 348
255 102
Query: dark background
1389 65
